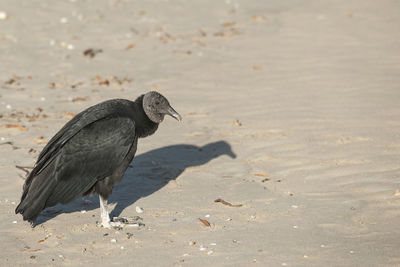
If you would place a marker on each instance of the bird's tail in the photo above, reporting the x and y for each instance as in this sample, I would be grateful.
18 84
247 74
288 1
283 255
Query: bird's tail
36 191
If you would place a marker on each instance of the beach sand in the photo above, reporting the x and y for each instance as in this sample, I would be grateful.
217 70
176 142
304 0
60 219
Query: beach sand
305 93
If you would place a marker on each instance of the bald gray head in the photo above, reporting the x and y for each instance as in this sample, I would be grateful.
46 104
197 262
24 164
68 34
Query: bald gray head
156 106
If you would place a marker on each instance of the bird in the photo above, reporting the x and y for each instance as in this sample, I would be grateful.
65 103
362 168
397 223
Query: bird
91 153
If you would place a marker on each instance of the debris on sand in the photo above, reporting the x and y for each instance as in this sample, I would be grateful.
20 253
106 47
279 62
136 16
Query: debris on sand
91 52
227 203
236 122
139 209
205 222
19 127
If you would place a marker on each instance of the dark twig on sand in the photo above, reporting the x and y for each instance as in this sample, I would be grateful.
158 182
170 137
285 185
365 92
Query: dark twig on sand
227 203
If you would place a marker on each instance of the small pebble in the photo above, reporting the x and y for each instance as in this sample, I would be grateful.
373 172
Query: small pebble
122 247
70 47
52 42
2 139
305 256
207 216
129 235
213 244
60 256
228 220
3 15
351 251
295 226
63 20
192 243
8 107
113 240
139 209
210 252
202 248
186 254
284 264
43 98
295 206
14 222
13 203
83 211
322 246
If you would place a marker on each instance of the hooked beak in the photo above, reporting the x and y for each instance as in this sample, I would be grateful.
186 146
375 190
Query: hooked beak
174 114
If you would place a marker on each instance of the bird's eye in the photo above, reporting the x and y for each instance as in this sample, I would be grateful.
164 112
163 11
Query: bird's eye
157 103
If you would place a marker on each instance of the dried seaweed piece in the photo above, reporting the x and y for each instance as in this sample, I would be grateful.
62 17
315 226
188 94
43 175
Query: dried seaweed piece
10 81
40 140
131 46
91 52
237 122
229 24
76 99
7 143
227 203
261 174
31 250
104 82
76 85
19 127
259 18
205 222
69 114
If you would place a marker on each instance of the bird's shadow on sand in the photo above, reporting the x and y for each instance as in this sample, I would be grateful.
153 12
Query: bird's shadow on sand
147 173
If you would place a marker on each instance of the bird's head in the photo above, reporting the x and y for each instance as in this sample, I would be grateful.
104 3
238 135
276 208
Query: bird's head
156 106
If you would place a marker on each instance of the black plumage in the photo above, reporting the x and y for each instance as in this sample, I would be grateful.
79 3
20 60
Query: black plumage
91 153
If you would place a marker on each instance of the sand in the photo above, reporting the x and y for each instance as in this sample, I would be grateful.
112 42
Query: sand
304 93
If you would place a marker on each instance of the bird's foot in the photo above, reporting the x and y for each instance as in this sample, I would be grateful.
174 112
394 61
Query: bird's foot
134 221
121 222
109 225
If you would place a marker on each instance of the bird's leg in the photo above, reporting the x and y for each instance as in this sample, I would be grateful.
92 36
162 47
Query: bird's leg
105 217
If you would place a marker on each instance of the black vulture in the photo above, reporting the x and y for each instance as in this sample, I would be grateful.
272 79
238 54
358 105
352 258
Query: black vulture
91 153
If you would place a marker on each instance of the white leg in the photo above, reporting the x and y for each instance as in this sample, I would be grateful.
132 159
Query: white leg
105 217
107 223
